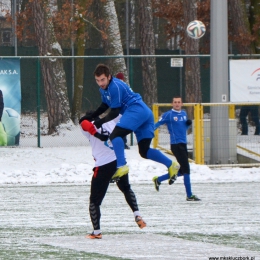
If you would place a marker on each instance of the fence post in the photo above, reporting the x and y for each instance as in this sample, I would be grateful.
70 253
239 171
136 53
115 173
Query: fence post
202 134
232 114
156 116
198 128
38 105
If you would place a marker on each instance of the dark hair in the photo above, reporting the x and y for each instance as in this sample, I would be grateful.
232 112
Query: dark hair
177 97
102 69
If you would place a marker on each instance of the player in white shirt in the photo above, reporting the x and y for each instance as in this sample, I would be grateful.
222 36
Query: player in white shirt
105 167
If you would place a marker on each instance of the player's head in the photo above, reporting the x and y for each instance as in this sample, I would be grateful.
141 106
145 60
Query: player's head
177 103
120 75
102 75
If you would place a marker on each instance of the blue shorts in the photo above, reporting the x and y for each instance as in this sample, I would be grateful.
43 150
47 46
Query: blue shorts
138 117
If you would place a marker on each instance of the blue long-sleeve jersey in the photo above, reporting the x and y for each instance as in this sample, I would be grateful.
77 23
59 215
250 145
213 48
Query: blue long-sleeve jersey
176 124
119 94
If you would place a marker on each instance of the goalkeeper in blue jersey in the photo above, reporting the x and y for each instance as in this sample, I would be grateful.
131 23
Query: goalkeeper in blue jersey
136 117
177 123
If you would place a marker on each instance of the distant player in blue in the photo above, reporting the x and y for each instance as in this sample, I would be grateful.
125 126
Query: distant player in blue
177 124
136 117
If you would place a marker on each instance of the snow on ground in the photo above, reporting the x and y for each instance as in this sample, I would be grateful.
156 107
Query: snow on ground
66 158
44 207
51 221
49 165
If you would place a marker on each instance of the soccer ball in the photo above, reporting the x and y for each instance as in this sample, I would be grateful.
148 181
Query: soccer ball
196 29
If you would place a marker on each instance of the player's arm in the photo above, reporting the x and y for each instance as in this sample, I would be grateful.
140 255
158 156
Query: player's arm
89 127
113 113
162 121
91 117
100 110
188 123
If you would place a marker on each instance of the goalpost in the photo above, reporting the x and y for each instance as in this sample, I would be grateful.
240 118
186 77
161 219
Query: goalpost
243 150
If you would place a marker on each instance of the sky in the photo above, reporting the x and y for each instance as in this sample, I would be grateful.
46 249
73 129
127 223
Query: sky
52 165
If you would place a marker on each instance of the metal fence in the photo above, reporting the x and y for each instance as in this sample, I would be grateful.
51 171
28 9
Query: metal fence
34 121
244 148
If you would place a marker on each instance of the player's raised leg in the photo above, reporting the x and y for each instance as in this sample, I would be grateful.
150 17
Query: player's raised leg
116 138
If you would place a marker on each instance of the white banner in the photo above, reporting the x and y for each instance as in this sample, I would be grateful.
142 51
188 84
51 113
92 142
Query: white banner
244 80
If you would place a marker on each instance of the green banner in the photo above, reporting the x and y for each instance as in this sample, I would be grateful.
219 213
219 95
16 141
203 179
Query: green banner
10 102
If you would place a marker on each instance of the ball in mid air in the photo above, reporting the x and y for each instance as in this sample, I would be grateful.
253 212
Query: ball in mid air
196 29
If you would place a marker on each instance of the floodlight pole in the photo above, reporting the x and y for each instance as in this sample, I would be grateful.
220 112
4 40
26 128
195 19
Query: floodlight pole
219 152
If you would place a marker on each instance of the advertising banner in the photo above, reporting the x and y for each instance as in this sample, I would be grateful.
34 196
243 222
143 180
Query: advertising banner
10 102
244 80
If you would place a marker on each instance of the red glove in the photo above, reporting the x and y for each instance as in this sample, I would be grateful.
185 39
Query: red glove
88 126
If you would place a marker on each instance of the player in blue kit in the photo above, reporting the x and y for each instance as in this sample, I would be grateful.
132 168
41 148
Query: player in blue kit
177 123
136 117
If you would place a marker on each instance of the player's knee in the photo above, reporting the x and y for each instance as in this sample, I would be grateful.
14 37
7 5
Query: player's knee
124 188
143 153
144 146
119 132
95 201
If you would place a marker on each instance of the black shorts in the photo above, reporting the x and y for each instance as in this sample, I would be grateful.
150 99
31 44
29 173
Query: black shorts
180 151
101 179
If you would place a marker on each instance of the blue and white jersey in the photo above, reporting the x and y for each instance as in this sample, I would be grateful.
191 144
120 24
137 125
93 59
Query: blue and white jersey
119 94
176 124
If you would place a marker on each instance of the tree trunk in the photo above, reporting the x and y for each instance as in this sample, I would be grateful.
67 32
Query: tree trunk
254 15
79 70
147 48
112 42
192 65
132 25
241 26
52 69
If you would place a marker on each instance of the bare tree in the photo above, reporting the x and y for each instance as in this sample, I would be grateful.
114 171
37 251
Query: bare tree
178 14
132 25
147 48
255 23
241 29
112 41
254 20
192 65
52 69
79 70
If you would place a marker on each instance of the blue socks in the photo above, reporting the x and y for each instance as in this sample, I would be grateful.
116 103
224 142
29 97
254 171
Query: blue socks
186 179
187 184
164 177
159 157
167 176
118 145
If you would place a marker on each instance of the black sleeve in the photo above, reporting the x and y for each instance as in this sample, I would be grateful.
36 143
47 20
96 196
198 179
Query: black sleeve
114 112
101 109
188 122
